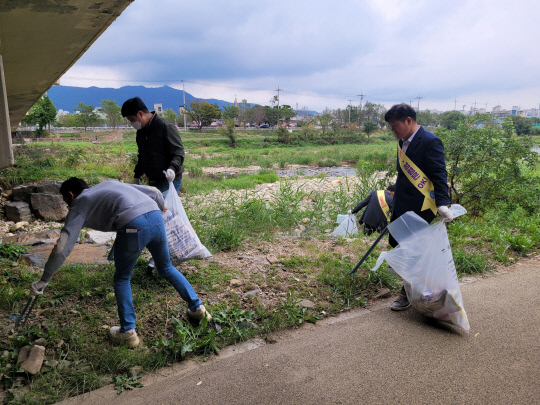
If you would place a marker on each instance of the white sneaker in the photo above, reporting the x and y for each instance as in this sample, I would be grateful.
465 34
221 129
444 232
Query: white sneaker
199 313
128 338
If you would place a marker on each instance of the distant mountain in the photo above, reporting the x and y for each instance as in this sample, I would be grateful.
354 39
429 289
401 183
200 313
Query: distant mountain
66 97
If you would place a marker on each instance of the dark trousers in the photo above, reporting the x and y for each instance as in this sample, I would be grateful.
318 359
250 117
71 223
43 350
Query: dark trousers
393 243
368 229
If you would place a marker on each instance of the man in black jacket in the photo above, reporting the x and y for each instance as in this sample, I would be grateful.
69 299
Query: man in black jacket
378 205
160 149
421 184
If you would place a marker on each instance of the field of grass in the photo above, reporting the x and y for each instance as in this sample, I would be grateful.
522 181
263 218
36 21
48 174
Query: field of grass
278 246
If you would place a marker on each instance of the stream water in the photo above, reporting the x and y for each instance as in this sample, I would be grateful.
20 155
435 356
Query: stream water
338 171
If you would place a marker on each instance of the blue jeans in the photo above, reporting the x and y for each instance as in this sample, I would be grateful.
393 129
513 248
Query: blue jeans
148 231
163 186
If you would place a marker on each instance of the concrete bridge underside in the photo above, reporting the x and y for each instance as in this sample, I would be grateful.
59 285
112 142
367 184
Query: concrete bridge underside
39 41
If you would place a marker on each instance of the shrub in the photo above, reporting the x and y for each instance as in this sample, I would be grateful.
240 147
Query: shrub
228 131
487 166
283 135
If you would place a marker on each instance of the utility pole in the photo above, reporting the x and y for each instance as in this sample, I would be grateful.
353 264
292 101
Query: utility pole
184 107
278 90
350 108
361 98
360 108
418 98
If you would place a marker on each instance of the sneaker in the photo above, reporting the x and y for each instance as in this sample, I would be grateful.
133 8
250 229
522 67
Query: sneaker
151 270
401 304
199 313
128 338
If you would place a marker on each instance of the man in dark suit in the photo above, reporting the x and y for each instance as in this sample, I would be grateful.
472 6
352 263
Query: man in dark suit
375 216
421 175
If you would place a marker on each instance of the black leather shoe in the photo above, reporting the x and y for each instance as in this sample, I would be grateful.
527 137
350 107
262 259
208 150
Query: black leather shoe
401 304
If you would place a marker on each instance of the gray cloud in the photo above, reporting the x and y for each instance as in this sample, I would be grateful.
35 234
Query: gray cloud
391 50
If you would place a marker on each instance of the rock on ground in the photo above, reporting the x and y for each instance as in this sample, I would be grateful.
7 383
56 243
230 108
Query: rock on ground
18 211
50 207
31 358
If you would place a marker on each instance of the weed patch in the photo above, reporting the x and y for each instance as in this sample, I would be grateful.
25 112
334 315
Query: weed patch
11 251
470 262
126 382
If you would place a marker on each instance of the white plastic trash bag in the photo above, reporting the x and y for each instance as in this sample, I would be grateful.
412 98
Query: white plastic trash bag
184 244
172 201
347 226
423 258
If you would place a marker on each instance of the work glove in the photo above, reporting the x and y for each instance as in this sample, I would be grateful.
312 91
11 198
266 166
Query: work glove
349 212
136 180
38 287
445 213
170 174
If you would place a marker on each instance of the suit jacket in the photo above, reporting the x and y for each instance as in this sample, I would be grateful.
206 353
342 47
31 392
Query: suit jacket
373 214
427 153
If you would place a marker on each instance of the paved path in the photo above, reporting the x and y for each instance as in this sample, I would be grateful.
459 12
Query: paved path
376 356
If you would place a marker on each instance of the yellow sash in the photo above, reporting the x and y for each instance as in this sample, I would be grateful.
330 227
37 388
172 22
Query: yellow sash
419 180
384 206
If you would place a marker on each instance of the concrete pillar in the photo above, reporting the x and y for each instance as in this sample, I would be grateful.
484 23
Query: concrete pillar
6 151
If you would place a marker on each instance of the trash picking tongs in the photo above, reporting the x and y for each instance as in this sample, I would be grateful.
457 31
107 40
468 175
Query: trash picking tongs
25 314
383 232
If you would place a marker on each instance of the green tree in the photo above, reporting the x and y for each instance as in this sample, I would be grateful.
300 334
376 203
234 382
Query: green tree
68 120
170 115
324 122
112 112
244 112
203 112
426 118
229 111
86 117
42 113
375 113
522 125
369 127
451 119
258 114
286 112
271 114
487 166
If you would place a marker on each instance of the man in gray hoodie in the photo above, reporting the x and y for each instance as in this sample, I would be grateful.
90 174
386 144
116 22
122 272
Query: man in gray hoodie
134 212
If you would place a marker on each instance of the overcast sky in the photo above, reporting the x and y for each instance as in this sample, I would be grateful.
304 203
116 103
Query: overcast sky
325 53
